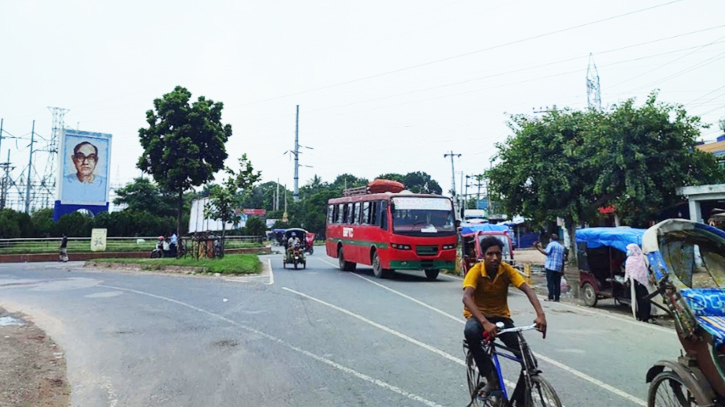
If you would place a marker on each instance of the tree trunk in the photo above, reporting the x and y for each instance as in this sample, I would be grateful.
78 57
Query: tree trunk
178 218
222 243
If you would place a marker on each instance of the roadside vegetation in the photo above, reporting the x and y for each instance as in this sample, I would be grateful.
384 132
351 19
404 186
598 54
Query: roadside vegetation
231 264
84 246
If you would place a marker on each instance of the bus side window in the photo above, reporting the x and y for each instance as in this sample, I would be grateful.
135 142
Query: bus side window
356 214
330 213
339 214
384 215
345 213
365 213
373 213
350 212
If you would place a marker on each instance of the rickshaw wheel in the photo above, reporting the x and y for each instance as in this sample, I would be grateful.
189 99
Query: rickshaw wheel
667 389
589 294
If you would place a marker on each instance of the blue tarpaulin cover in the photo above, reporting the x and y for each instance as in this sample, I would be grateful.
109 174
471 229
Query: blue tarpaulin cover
482 227
617 238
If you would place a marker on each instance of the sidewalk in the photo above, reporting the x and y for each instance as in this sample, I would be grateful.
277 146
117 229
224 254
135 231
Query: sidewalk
538 278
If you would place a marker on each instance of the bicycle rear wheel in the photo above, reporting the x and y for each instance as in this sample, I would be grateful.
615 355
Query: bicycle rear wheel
541 394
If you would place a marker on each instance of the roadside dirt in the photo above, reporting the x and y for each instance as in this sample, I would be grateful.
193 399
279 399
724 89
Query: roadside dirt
32 366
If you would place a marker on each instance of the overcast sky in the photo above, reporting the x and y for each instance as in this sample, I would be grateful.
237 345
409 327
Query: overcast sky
383 86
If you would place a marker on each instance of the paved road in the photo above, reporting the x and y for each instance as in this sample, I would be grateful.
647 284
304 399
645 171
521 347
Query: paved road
313 337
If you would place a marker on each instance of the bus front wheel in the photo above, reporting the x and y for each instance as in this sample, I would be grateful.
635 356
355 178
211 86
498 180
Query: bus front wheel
378 270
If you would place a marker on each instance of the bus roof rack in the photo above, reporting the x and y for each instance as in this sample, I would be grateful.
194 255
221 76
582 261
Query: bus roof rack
355 191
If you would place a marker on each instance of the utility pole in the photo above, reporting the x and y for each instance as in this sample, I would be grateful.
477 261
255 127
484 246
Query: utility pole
30 171
276 197
453 171
296 152
1 132
5 183
594 91
297 156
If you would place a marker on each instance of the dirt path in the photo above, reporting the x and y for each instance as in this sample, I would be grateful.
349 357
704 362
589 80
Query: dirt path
32 366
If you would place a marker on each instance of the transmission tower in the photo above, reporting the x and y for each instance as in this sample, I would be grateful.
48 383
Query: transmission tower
48 181
594 92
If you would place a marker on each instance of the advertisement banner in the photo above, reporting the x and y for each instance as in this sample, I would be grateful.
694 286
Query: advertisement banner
198 222
98 240
84 168
255 212
270 223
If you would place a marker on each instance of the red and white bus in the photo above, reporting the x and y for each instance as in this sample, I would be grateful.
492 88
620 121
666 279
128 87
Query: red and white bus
392 231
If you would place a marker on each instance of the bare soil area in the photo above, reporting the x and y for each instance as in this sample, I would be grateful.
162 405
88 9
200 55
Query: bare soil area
32 366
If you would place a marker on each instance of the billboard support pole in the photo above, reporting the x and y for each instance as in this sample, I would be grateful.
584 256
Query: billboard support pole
30 171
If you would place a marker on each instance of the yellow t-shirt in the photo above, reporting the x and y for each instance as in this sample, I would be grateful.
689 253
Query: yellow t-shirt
491 295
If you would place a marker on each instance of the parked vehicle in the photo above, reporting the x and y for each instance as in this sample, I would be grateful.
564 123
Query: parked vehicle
391 231
694 295
601 254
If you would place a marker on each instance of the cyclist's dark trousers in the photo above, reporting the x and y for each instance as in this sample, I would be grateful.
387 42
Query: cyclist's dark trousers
474 334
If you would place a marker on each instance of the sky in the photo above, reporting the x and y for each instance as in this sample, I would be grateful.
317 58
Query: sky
382 86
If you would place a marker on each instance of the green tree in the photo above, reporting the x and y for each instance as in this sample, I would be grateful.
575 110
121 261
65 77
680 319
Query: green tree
392 176
184 144
568 163
74 224
255 226
643 154
43 222
226 199
142 194
421 183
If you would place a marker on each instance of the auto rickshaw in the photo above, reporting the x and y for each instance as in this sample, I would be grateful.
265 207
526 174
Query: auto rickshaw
295 255
693 294
471 236
601 255
279 236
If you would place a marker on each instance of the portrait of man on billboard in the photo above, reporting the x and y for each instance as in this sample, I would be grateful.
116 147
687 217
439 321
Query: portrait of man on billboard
85 170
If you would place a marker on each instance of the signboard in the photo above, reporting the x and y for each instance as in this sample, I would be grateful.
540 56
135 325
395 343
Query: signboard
254 212
416 203
98 240
84 168
199 223
270 223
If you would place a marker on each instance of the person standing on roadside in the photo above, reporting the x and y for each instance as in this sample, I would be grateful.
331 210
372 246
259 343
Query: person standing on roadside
64 249
554 266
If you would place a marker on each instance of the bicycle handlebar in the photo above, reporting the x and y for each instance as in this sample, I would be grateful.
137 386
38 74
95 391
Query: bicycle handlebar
517 329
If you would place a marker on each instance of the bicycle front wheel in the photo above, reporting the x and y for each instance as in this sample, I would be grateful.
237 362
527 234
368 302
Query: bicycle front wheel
541 394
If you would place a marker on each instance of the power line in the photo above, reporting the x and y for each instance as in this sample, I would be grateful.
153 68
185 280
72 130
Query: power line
467 53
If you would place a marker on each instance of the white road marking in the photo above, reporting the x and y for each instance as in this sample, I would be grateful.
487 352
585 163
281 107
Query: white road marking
112 397
389 330
271 274
329 362
560 365
445 314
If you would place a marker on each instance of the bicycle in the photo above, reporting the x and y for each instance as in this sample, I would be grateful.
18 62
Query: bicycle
538 392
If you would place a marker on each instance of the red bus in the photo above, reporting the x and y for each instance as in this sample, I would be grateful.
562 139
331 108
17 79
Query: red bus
392 231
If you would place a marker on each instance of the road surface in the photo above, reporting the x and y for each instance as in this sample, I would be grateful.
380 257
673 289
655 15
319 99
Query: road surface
313 337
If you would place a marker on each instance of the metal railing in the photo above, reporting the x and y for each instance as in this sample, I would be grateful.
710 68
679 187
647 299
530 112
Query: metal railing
113 244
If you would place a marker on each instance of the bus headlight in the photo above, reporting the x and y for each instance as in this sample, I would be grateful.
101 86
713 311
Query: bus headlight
400 246
449 246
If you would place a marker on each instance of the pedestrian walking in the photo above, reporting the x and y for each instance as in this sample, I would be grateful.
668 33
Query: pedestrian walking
64 249
554 266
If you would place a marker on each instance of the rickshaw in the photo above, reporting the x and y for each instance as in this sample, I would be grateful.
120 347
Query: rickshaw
687 262
310 239
471 236
601 255
279 236
295 255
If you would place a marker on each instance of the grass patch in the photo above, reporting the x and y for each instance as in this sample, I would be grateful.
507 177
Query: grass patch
53 246
230 264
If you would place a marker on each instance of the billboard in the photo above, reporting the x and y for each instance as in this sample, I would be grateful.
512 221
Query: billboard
84 168
198 222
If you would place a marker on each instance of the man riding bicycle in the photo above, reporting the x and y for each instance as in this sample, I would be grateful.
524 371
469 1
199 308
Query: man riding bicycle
485 300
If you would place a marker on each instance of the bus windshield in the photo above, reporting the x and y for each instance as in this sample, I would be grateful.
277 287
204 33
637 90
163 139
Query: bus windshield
419 216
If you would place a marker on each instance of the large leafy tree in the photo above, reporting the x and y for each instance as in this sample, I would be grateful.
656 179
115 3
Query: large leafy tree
184 144
643 154
145 195
225 200
568 163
